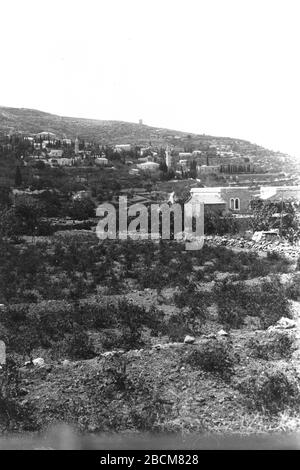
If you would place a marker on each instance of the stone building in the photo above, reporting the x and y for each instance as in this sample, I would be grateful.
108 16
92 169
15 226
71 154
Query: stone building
222 199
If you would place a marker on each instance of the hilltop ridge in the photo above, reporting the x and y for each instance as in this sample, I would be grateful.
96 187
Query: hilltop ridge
31 121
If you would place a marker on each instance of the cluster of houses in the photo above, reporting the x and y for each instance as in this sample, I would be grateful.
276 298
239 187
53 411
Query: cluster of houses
62 152
212 159
210 162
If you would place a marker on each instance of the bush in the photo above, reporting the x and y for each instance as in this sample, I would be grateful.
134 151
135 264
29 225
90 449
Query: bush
235 300
96 313
79 345
271 302
269 346
215 357
196 302
218 224
81 209
232 300
13 416
293 288
132 319
270 389
177 327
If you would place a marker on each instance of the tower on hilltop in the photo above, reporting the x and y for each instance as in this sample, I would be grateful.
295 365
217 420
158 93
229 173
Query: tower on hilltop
76 146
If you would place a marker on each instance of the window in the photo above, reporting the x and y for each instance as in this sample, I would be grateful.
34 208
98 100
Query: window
237 204
232 203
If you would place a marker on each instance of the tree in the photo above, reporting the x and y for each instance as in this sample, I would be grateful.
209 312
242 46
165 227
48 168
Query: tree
8 223
4 197
81 209
28 213
193 169
216 223
280 215
18 177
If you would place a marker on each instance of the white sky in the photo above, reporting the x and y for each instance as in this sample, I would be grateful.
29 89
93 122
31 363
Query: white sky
220 67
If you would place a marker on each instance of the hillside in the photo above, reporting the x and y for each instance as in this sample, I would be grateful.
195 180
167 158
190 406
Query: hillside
29 121
119 358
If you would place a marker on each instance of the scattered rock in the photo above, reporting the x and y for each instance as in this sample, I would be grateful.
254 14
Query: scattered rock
66 362
175 345
39 362
108 353
211 336
285 323
189 339
223 333
209 263
28 364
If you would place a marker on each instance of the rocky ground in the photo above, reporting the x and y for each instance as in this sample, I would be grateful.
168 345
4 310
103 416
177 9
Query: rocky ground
158 389
171 387
263 246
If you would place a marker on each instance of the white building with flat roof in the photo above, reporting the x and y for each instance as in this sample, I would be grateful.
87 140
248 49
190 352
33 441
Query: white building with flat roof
280 192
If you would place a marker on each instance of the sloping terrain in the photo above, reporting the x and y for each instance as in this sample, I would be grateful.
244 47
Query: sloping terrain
102 131
160 389
135 337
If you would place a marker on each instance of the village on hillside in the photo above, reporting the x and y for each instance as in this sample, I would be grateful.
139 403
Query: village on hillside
141 335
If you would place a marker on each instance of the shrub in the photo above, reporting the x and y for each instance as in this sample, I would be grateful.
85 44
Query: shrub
269 346
177 327
196 302
81 209
13 416
235 300
116 373
214 356
230 316
217 224
232 300
270 389
293 288
96 313
271 302
79 345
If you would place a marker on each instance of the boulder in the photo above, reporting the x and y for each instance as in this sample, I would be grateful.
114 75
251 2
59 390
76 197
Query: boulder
189 339
222 333
285 323
109 353
38 362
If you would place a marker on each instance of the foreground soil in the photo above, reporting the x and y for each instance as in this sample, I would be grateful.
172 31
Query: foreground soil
156 389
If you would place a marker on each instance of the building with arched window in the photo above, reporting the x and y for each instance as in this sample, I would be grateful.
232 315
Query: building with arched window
236 199
235 204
